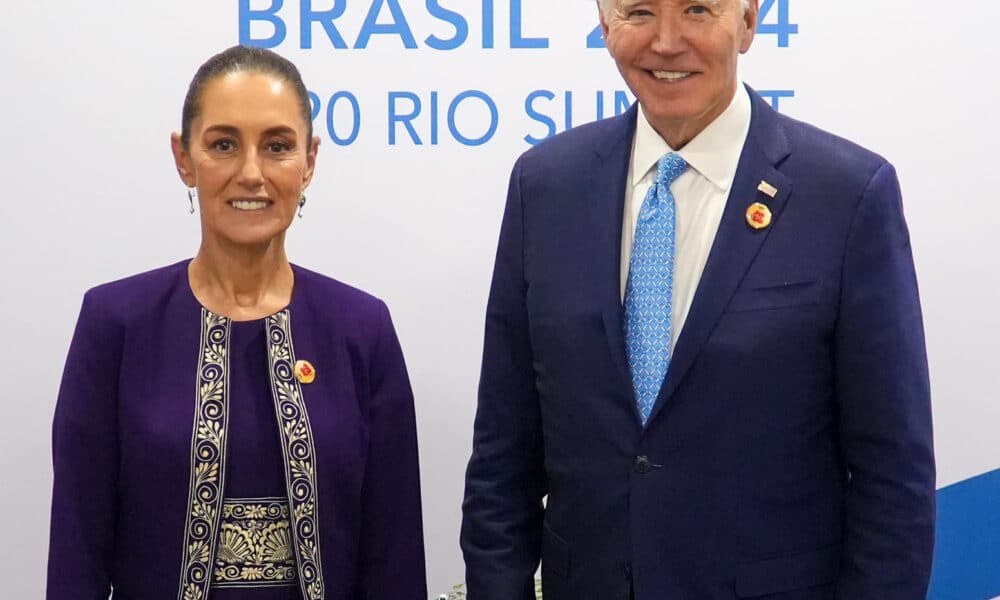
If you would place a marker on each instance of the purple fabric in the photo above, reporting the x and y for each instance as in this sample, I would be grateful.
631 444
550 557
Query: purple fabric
254 467
122 441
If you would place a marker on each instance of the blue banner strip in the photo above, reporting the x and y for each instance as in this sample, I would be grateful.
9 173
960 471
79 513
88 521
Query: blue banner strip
967 549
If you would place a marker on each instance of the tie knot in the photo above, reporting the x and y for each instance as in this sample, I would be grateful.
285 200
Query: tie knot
669 168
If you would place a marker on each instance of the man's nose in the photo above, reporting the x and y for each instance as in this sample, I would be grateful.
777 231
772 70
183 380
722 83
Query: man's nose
669 37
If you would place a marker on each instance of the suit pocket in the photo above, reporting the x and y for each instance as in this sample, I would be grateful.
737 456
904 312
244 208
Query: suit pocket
790 572
555 552
803 293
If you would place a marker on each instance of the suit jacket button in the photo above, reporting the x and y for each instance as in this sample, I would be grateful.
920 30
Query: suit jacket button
642 464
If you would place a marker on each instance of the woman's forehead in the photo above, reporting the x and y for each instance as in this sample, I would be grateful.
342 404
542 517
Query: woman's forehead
251 85
250 96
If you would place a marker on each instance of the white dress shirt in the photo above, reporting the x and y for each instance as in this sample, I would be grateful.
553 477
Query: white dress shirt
700 194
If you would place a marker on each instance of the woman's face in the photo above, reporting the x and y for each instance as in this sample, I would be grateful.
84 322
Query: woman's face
249 158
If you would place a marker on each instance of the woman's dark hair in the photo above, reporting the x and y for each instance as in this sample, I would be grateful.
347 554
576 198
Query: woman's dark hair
247 59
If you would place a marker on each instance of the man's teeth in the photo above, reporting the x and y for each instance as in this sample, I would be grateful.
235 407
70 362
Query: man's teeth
248 204
671 75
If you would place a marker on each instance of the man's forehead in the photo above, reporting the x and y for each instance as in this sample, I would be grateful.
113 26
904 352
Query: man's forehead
629 3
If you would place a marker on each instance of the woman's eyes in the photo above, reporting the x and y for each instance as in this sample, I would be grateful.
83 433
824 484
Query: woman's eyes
223 145
278 147
227 145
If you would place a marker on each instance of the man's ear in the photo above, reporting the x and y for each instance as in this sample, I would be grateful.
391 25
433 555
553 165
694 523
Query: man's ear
749 25
604 22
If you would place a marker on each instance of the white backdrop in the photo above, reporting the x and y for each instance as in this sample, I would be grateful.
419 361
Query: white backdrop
92 90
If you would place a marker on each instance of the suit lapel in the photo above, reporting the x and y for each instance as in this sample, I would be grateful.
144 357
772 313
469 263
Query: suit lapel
605 183
736 243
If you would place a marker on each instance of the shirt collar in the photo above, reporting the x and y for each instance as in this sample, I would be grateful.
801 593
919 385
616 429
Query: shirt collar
714 153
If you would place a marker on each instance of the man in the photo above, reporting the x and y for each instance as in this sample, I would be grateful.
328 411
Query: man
704 346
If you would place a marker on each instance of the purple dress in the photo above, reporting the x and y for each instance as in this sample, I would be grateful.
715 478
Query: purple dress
195 458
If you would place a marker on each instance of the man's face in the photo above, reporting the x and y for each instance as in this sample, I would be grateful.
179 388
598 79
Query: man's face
679 58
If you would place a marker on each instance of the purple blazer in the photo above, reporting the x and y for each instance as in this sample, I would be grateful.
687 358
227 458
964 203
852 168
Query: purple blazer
140 433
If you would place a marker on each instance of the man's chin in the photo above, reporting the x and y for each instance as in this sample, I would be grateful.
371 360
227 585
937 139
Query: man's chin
670 115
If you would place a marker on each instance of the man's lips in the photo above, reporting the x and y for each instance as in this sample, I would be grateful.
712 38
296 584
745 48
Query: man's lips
665 75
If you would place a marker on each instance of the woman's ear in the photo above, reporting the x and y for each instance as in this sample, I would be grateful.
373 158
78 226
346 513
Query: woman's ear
310 162
182 160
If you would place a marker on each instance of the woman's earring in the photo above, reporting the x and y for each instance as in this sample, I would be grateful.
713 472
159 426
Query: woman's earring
302 202
191 195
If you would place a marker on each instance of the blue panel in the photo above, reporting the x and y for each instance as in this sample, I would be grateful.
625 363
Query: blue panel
967 550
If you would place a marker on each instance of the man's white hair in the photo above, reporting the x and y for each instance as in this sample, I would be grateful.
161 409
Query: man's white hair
608 5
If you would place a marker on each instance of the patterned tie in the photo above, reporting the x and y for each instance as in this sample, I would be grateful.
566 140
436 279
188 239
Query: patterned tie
649 291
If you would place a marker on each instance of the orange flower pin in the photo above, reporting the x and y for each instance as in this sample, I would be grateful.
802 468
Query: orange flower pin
758 215
304 371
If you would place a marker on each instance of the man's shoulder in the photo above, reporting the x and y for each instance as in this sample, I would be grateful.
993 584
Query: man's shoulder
580 143
822 153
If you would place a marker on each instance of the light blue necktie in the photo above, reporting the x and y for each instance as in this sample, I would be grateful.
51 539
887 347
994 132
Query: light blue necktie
649 291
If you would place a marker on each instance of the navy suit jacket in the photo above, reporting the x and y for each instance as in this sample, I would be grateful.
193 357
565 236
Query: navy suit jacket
789 454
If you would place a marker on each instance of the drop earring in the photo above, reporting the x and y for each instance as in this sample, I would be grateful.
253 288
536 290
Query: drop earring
191 195
302 203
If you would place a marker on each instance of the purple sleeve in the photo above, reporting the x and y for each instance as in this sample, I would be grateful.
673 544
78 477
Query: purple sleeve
85 459
392 544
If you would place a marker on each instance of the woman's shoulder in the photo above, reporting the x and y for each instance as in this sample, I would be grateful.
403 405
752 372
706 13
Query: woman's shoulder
333 306
137 292
326 291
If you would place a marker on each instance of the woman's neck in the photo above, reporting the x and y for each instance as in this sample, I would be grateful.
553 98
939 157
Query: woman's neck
242 283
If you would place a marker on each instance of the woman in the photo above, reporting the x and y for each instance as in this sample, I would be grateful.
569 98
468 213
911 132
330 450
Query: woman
235 426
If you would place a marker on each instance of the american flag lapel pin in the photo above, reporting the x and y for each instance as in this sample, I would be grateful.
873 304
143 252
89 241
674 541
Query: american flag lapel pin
767 189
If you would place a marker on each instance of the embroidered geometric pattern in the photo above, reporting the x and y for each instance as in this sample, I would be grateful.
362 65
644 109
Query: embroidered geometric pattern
649 290
255 544
299 454
208 457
